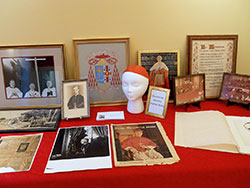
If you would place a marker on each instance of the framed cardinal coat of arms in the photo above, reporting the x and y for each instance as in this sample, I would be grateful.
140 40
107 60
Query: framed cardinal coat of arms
102 61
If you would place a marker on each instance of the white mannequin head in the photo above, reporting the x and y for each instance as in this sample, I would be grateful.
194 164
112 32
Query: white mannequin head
134 85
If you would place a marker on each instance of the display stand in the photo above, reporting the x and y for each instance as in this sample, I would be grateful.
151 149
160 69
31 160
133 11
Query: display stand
197 104
230 103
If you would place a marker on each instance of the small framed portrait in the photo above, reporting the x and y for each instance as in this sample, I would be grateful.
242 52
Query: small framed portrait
162 67
29 119
212 55
189 89
102 61
235 88
157 101
139 144
80 148
31 75
75 99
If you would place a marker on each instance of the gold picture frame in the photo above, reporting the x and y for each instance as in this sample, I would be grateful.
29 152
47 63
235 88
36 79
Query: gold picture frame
212 55
102 61
161 77
150 135
31 76
157 102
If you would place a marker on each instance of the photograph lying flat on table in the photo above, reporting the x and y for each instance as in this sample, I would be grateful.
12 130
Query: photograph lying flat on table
80 148
29 120
17 152
31 75
141 144
75 99
189 89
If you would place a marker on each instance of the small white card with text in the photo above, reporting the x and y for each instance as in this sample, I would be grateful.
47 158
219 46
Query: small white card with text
113 115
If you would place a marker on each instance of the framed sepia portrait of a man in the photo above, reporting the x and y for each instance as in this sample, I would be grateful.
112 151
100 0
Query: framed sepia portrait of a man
75 99
31 75
162 67
139 144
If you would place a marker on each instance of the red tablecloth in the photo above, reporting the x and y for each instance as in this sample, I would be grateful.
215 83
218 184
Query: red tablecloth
196 168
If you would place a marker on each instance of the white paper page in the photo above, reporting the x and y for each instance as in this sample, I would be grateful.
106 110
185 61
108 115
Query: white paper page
157 102
78 164
113 115
204 128
240 133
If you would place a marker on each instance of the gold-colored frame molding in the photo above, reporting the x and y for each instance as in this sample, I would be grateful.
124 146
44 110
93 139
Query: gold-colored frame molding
167 91
76 42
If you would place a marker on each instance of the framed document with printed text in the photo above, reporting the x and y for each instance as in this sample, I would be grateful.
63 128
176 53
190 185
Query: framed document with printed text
212 55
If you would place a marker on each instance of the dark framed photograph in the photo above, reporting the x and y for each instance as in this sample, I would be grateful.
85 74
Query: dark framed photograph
80 148
157 101
75 99
212 55
31 75
102 61
189 89
162 67
235 88
138 144
30 119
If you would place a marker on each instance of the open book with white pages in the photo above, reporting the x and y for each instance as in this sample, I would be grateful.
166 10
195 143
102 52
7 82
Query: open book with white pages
212 130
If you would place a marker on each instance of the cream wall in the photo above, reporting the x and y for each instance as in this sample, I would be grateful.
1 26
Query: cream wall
150 24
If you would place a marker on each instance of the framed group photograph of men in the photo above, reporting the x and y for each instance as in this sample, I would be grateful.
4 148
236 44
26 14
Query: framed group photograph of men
139 144
102 61
31 75
75 102
162 67
235 88
212 55
189 89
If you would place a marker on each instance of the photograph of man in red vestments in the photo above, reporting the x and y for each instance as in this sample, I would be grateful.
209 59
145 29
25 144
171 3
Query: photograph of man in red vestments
141 147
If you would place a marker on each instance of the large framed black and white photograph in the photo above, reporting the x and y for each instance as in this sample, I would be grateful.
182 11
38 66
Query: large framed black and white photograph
102 61
75 103
29 119
31 75
139 144
162 67
212 55
80 148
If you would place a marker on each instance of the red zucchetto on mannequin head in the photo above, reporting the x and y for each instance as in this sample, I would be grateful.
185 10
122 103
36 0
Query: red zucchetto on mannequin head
138 70
135 81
